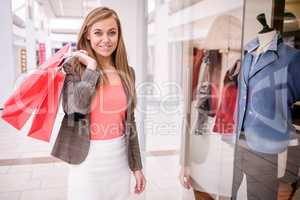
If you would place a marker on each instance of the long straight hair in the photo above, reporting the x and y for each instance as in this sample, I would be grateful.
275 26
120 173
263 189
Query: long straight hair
119 56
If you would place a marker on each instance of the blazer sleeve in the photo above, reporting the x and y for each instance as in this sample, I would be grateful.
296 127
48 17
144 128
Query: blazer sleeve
135 162
78 90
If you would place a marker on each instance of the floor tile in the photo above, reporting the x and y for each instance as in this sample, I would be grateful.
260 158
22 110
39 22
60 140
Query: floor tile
10 195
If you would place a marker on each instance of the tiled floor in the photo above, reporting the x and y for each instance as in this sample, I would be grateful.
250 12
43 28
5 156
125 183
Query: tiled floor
27 172
49 181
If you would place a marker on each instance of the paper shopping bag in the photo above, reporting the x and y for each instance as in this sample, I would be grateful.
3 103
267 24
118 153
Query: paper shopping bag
20 106
45 114
31 92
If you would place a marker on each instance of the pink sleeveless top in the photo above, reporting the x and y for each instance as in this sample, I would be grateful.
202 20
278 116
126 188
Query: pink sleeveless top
108 109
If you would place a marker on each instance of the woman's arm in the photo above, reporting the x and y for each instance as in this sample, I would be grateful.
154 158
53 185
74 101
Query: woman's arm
77 91
135 162
134 148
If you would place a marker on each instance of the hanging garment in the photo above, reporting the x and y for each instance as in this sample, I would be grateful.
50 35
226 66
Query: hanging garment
267 93
224 122
208 90
215 68
202 98
198 55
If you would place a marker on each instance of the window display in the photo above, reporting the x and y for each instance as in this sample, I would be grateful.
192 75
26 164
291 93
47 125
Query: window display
213 90
268 89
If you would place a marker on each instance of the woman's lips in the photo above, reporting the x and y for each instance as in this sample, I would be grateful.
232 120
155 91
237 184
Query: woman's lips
105 47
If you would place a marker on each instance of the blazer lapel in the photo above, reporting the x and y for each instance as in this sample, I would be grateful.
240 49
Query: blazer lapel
265 60
246 67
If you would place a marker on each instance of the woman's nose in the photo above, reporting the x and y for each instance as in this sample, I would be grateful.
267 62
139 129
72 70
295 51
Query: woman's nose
105 38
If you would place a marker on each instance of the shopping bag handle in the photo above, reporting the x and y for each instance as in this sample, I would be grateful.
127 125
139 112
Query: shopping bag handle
64 60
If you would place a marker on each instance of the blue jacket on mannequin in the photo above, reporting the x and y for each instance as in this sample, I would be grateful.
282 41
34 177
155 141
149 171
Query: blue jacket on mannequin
268 87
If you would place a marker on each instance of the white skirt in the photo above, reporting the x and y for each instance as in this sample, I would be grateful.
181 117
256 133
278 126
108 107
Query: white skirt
104 175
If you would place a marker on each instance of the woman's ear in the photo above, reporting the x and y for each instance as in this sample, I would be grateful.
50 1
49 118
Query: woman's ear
88 35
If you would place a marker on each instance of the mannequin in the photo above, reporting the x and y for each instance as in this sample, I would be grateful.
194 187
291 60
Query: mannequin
264 118
266 35
265 40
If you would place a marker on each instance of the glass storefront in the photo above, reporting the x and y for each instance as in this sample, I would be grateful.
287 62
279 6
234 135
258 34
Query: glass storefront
218 92
206 44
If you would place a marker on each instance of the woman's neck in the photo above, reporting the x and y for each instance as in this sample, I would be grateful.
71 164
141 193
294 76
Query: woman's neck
105 62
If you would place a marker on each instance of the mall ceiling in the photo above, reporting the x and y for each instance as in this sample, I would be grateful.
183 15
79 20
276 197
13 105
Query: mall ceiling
68 8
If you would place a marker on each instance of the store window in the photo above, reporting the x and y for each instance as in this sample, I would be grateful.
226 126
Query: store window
268 148
207 45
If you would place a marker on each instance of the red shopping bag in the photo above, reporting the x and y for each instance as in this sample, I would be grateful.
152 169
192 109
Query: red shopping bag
45 115
32 91
20 106
57 58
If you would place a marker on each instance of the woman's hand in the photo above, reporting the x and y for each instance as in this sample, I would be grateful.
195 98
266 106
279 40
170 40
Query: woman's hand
140 182
85 59
185 178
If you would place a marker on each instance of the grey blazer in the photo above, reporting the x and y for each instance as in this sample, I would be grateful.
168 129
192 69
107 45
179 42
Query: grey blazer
73 142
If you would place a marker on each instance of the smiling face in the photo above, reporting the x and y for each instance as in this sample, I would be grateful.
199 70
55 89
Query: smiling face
103 36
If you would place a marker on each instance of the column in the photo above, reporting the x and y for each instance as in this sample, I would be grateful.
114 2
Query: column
7 71
30 36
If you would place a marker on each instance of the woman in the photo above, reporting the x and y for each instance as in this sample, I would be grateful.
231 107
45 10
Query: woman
98 132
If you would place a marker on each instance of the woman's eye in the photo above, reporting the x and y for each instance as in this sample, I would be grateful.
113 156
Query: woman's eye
97 33
112 33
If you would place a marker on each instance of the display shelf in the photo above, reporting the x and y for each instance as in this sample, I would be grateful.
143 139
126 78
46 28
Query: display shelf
291 33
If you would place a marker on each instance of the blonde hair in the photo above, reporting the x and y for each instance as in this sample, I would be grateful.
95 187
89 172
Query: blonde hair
119 56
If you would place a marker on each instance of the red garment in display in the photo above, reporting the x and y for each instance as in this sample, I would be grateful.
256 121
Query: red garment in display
224 122
224 118
215 97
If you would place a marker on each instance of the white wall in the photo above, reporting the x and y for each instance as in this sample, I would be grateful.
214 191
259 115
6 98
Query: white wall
161 67
203 9
30 36
7 71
